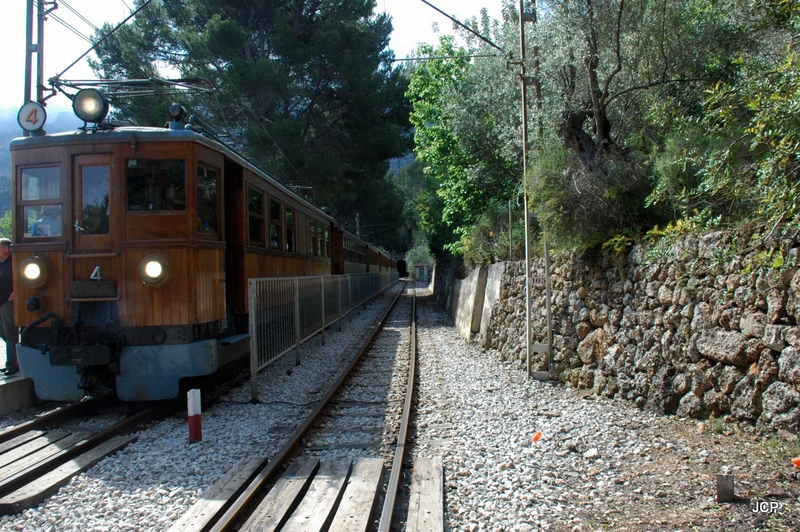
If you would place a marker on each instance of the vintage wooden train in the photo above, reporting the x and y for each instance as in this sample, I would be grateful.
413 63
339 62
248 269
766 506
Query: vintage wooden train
132 248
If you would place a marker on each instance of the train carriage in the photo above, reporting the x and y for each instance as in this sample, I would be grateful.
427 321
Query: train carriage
132 249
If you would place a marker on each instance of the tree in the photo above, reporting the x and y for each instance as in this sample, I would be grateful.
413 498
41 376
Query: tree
5 225
306 88
461 132
736 159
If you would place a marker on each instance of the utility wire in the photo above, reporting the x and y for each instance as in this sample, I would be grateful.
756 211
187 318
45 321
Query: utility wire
69 27
478 35
87 22
433 58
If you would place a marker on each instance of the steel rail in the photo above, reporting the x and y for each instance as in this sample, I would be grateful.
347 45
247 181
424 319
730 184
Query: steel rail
43 420
400 450
234 511
125 426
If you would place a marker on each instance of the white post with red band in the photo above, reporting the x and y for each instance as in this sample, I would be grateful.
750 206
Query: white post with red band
195 417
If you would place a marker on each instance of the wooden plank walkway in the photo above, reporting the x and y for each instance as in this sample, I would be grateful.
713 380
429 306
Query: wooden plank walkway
24 448
216 497
337 496
426 503
359 497
60 444
277 506
316 510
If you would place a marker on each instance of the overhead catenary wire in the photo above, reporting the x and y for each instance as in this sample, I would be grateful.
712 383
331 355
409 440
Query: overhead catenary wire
50 14
133 14
79 15
70 27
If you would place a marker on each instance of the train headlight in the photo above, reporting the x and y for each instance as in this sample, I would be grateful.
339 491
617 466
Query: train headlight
155 269
33 272
90 105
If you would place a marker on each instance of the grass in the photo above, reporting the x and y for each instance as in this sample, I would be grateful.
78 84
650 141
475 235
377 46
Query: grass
779 451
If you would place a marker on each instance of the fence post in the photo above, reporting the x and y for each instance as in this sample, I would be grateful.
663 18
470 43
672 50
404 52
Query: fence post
253 341
339 299
349 298
322 299
296 321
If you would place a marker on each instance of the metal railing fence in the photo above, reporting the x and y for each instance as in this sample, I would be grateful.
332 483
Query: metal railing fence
287 311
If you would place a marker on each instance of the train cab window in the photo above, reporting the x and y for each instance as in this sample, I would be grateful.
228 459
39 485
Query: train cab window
42 220
275 224
156 184
41 183
291 241
94 200
207 202
40 195
255 218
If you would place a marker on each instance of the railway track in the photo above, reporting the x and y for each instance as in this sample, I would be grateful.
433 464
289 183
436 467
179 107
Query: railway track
41 455
342 466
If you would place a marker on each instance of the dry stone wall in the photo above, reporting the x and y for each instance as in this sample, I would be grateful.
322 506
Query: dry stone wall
696 329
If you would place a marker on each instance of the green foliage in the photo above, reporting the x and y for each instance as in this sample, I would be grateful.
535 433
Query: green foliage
654 113
737 160
761 162
5 225
492 239
419 253
619 242
672 231
460 131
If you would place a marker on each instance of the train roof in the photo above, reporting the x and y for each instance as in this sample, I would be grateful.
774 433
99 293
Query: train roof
126 133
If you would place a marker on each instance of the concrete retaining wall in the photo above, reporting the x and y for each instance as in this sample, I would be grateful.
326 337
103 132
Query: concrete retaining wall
494 282
462 299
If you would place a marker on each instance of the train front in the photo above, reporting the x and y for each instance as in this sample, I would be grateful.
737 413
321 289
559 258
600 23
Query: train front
119 259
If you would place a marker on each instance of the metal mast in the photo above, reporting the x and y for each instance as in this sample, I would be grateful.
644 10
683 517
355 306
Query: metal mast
529 346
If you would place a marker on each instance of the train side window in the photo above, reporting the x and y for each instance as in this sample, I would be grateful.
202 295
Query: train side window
275 224
255 208
320 240
156 184
291 243
207 202
312 230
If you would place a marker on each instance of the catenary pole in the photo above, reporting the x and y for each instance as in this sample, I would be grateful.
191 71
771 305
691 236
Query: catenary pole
29 49
525 189
40 54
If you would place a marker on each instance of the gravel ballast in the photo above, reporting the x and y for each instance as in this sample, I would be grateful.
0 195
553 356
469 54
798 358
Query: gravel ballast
599 464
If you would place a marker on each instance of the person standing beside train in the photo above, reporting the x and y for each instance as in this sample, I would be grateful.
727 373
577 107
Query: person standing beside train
7 329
